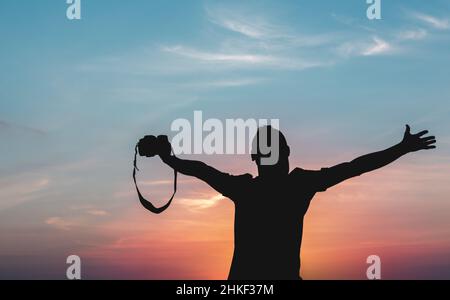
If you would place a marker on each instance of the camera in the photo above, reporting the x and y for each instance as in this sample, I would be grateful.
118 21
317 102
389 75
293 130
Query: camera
151 145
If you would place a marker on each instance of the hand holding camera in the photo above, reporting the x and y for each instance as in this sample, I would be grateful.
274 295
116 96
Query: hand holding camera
151 145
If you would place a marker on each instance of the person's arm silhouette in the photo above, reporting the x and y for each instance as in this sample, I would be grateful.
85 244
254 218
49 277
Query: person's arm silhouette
221 182
329 177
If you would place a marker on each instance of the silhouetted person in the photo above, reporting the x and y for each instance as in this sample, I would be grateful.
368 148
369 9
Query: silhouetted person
270 207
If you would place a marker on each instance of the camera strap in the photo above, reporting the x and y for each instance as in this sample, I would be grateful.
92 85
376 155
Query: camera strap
147 204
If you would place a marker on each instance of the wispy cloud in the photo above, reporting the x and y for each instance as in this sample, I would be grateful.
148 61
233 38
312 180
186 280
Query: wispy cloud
199 203
242 60
76 220
89 209
415 35
376 46
256 42
162 182
349 21
268 34
219 57
254 27
59 223
379 46
237 82
14 192
249 29
435 22
156 182
98 212
389 41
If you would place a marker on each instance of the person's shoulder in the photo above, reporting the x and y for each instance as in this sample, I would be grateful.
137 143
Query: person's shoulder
236 186
300 172
297 171
241 180
243 177
304 171
316 179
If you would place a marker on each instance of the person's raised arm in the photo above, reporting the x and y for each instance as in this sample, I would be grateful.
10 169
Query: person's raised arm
216 179
195 168
410 143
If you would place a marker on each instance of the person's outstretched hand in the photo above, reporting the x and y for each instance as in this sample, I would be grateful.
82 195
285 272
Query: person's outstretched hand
418 141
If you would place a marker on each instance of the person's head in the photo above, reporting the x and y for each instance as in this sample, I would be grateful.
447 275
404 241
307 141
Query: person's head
270 152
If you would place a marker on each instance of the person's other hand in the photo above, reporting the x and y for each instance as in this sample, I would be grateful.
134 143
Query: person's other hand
418 141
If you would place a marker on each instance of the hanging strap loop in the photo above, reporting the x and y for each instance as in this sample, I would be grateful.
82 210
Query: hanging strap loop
147 204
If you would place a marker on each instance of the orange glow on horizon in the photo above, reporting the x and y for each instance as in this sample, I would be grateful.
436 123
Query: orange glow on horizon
380 214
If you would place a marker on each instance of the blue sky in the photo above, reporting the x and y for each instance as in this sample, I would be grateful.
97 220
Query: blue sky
76 95
127 68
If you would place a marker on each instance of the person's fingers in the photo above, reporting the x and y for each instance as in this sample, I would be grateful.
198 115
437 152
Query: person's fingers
430 142
408 129
427 138
148 138
421 133
429 147
163 138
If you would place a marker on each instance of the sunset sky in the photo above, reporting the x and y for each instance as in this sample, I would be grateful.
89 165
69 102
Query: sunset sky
75 96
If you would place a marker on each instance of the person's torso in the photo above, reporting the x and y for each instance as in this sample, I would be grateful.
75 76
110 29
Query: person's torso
268 229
